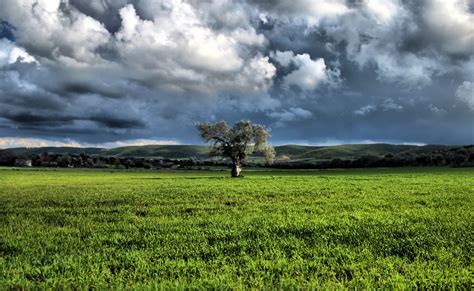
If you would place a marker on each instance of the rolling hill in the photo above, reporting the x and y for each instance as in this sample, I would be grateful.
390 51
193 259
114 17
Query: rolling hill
351 151
291 152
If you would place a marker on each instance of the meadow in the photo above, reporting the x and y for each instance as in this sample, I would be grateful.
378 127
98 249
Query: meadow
379 228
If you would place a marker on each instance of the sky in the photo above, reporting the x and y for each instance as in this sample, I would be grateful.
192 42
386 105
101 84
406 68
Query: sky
134 72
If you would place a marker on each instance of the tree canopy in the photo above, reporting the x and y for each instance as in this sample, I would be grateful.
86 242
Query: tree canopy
237 142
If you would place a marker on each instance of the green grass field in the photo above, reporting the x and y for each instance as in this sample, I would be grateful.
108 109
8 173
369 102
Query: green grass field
352 228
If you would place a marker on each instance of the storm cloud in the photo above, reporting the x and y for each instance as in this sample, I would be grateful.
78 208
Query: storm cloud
316 72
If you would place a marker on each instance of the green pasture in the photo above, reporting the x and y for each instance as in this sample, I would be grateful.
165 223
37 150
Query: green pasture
307 229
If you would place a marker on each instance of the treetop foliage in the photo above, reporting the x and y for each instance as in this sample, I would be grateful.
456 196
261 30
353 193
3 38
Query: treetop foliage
239 141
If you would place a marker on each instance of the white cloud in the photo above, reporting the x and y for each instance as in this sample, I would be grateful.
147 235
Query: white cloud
364 110
372 31
177 51
312 12
375 34
308 75
42 27
179 39
256 76
407 69
335 142
248 37
465 93
291 114
49 5
10 53
15 142
137 142
389 104
452 23
197 45
436 110
283 58
383 12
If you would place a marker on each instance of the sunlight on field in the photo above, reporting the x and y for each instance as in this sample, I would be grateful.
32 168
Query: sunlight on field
353 228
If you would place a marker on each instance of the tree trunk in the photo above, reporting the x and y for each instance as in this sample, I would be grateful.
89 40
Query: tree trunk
235 173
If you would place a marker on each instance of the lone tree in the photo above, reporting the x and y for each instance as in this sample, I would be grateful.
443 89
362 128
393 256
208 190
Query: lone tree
237 142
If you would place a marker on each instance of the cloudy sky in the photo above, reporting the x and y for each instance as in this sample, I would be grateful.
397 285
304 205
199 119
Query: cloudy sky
118 72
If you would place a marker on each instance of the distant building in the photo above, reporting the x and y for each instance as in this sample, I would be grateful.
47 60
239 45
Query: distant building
23 162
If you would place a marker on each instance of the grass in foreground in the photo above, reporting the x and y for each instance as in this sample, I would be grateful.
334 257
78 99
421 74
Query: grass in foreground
357 228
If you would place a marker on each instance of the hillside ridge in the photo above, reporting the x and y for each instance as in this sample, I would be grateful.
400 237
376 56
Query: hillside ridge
290 151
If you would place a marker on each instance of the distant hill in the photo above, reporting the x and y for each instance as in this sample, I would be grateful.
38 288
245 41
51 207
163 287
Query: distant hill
164 151
291 152
55 150
351 151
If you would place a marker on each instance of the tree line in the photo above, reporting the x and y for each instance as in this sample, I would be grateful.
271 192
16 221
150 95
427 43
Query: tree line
455 157
55 160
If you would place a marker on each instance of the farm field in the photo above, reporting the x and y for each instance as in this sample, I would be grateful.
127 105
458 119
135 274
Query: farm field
379 228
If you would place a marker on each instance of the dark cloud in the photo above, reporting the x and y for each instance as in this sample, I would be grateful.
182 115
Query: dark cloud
91 88
315 71
117 122
37 120
107 12
7 30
